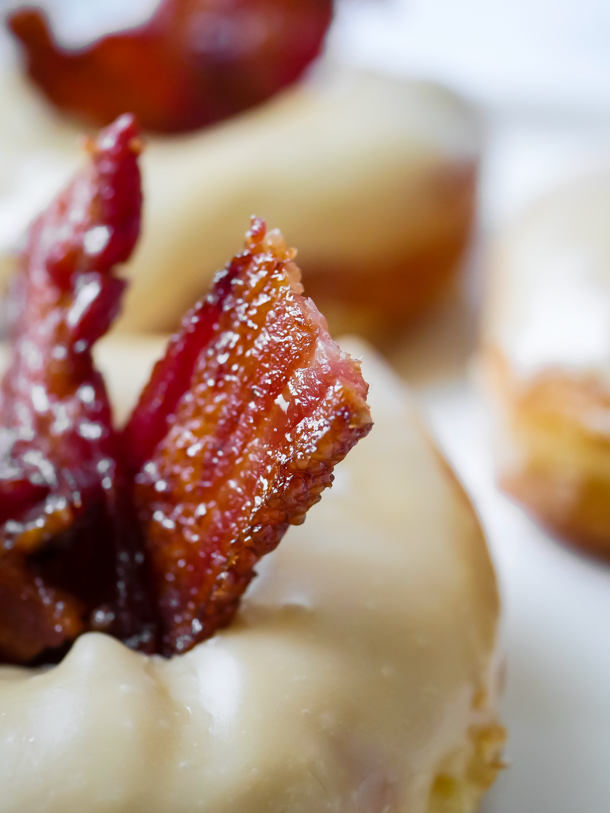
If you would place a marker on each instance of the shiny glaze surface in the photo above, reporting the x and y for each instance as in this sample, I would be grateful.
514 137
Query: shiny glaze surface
355 678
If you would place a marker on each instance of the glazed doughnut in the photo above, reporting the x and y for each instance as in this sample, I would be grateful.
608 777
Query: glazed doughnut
546 360
372 177
360 673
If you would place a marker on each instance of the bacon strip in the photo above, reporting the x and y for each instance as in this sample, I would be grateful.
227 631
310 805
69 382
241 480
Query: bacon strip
236 435
191 63
69 543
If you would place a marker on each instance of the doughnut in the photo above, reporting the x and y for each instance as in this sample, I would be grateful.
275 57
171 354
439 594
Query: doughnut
360 674
372 177
546 360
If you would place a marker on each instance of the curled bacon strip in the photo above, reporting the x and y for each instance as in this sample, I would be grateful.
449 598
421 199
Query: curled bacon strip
69 544
192 63
236 436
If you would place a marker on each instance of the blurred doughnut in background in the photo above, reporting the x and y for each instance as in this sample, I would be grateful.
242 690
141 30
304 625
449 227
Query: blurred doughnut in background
547 360
373 177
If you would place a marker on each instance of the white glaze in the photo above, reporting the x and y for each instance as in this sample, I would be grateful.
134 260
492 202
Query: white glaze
352 677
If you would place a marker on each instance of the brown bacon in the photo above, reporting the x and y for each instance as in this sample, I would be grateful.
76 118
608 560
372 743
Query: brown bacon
191 63
236 435
69 544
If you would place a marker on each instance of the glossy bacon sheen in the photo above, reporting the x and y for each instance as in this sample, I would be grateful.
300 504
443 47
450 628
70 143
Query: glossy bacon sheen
68 539
192 63
245 441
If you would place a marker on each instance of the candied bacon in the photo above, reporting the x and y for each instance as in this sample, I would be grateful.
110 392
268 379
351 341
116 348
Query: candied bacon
33 616
236 435
69 543
193 62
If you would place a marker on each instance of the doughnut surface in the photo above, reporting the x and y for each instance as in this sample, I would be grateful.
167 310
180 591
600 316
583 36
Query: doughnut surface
360 674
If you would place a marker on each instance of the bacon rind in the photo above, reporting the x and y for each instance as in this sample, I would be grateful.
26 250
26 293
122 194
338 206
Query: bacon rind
193 62
251 435
58 450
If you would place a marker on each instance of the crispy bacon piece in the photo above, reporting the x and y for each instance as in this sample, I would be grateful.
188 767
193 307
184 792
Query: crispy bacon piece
33 616
236 435
69 544
192 63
